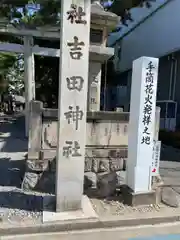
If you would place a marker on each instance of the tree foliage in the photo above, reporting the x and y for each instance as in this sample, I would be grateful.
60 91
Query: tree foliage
7 60
47 11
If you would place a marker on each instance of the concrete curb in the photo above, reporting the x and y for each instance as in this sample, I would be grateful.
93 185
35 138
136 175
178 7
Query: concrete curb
85 225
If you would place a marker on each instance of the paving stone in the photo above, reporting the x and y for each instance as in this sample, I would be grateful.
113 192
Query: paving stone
170 197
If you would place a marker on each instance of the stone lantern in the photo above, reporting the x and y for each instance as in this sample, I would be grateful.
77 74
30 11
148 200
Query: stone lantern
102 23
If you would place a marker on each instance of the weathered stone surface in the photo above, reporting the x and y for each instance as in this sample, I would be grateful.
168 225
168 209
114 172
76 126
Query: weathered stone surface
37 165
95 165
88 164
102 134
117 152
170 197
121 178
106 184
30 180
157 182
90 180
116 164
103 165
97 161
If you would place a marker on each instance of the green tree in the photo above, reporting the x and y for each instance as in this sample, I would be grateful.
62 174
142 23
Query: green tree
50 9
15 76
7 60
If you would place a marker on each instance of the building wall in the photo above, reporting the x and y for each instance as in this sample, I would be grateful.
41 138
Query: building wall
138 14
156 37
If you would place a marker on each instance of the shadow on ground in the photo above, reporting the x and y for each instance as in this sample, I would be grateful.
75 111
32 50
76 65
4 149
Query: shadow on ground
12 135
13 148
11 196
19 200
11 172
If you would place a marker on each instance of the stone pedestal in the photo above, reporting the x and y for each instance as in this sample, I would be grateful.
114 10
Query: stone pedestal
141 198
29 80
86 211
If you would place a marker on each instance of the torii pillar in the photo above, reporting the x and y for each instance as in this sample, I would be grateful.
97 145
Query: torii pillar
29 77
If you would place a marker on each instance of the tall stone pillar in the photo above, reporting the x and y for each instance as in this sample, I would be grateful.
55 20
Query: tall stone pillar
73 87
142 124
29 76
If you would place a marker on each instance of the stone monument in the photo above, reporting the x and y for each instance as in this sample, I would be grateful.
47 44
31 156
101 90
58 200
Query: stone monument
141 127
73 89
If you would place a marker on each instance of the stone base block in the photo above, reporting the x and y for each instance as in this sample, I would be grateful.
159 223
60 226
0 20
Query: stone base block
49 214
136 199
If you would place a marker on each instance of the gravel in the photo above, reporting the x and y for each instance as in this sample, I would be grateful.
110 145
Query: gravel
106 208
18 206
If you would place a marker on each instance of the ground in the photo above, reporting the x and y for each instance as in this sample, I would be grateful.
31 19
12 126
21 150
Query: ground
156 232
19 207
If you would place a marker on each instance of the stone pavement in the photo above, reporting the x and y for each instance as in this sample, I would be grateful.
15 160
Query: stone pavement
13 148
170 173
14 203
163 237
150 232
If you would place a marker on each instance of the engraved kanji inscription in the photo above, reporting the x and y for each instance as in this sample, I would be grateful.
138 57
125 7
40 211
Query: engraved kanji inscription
76 14
106 132
146 131
146 119
149 88
71 149
148 99
75 48
74 116
149 73
150 67
75 83
147 110
118 128
146 140
125 129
